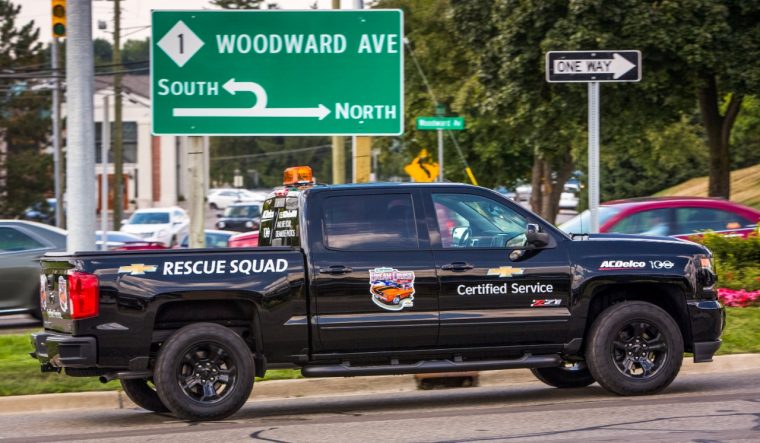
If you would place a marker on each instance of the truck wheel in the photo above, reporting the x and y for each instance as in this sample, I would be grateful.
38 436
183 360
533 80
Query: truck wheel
204 371
571 375
143 394
635 348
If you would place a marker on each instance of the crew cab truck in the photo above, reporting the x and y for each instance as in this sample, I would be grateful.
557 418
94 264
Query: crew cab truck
377 279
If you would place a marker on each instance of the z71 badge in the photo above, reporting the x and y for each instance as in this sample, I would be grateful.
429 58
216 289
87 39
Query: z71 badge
392 289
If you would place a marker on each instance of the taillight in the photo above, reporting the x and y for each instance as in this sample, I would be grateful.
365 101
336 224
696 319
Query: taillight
84 294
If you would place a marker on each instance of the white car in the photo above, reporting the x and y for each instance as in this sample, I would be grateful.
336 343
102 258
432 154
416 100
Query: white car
221 198
161 225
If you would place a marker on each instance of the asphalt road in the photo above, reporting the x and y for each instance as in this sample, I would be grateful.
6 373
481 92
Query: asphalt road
696 408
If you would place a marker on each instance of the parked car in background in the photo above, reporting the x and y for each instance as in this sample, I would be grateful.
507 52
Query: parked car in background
221 198
42 211
681 217
214 239
244 240
121 241
161 225
22 243
241 217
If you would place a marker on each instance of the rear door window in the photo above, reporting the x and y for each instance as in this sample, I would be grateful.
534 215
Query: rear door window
370 222
15 240
651 222
691 220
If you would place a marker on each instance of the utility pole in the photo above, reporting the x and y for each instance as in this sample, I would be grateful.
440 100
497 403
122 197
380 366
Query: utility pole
80 167
118 152
361 146
57 154
105 145
338 144
196 156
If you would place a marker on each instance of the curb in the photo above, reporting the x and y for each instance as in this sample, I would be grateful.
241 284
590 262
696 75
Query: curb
330 387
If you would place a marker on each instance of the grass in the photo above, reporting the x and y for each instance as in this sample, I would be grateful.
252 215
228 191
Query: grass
20 374
745 187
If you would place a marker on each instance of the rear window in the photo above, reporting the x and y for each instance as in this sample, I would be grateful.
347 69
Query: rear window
370 222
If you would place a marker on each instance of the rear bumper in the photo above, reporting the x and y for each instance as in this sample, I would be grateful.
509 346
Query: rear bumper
64 351
708 318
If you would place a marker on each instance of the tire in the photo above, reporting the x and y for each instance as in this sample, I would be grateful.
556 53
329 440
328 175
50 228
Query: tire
214 207
173 241
204 371
569 376
635 348
143 395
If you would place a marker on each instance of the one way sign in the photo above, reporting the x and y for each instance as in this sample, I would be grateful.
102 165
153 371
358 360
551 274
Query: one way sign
593 66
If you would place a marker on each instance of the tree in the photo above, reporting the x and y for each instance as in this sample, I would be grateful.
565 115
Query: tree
136 53
237 4
24 116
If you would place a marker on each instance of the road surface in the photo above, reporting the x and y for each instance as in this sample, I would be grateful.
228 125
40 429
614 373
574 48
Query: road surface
696 408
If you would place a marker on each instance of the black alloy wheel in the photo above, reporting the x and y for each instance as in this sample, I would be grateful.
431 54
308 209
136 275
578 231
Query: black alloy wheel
634 348
204 371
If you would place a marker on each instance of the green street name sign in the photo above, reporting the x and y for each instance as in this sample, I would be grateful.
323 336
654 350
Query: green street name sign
277 72
433 123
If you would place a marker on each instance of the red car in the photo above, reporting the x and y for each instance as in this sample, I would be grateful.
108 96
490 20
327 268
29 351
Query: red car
244 240
681 217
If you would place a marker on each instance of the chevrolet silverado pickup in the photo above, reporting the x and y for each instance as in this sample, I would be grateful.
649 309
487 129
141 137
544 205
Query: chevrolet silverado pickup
377 279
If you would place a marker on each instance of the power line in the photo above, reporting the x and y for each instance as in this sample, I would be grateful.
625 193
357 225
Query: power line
269 154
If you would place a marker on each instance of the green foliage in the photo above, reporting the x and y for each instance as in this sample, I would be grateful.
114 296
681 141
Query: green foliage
24 116
741 334
237 4
737 260
135 53
745 138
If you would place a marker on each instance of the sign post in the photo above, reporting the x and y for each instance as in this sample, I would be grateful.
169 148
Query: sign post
593 67
277 72
439 124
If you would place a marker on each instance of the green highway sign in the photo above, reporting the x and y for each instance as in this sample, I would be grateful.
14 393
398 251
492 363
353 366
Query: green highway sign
433 123
277 72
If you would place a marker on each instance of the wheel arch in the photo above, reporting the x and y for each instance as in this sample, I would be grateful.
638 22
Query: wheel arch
669 296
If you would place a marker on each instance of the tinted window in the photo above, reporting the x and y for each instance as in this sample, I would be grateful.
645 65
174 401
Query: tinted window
370 222
470 221
653 222
14 240
149 218
690 220
247 211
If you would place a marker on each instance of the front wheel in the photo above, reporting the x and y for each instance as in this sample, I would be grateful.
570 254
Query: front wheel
635 348
143 394
569 375
204 372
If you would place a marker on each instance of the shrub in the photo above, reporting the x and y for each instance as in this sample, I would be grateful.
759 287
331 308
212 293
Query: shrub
737 260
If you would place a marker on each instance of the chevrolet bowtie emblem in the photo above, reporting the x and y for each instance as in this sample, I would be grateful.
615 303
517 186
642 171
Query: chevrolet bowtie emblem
505 271
137 269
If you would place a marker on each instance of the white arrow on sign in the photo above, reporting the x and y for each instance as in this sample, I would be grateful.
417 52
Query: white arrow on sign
259 109
617 66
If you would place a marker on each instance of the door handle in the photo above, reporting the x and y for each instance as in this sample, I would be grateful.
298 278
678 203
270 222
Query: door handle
457 266
336 270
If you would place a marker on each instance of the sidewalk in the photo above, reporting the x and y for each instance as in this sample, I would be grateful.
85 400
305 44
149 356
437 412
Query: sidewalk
324 387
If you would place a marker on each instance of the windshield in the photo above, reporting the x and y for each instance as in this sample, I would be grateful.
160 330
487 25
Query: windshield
149 218
581 224
247 211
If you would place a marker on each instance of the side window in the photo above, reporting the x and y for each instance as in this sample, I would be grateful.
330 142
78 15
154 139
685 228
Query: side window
370 222
652 222
14 240
691 220
471 221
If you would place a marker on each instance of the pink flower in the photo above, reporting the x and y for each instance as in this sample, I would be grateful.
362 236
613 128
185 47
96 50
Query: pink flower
740 298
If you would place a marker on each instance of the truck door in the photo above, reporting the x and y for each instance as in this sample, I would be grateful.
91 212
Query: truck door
373 282
490 297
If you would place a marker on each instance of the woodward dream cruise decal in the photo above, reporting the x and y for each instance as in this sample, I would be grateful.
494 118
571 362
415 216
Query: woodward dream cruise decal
392 289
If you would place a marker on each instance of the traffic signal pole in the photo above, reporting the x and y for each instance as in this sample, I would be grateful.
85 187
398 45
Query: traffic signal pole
56 116
80 164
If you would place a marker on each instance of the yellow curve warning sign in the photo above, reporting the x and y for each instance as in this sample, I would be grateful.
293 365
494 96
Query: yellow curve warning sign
422 168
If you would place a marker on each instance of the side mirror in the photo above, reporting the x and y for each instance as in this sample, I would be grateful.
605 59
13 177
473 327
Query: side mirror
124 222
536 238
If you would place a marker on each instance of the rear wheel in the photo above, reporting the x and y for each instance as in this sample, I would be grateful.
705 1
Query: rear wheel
569 375
635 348
204 372
143 393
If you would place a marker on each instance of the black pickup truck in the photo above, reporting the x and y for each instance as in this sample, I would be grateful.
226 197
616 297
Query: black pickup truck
380 279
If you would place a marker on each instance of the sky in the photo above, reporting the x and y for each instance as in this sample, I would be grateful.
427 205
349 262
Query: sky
135 15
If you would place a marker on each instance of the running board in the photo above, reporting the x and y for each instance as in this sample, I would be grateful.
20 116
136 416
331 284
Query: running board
430 366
